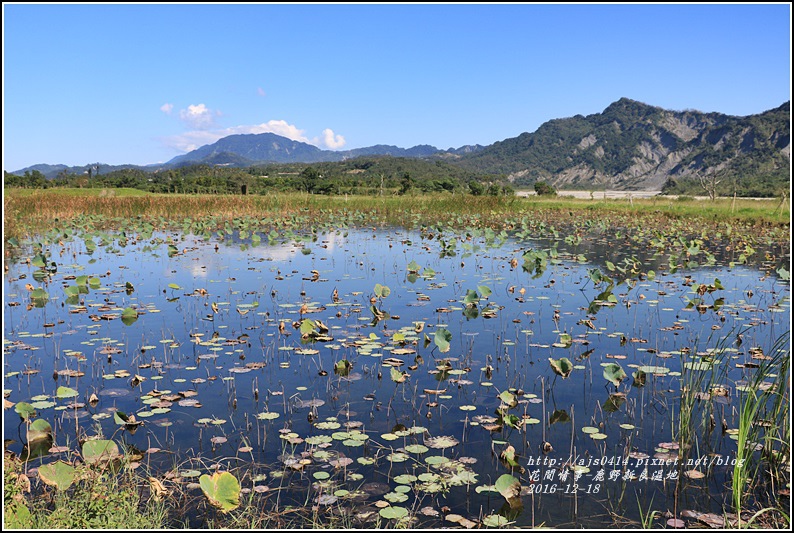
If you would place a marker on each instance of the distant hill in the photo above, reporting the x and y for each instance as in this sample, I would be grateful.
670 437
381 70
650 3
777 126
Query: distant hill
246 150
635 146
52 171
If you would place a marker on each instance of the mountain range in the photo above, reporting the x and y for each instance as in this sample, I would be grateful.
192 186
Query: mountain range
248 149
629 146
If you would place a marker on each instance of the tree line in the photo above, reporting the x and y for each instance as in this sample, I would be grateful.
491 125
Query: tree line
370 175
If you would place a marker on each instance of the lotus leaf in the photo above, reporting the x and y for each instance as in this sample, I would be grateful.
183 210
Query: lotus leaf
471 297
65 392
509 487
222 490
39 429
512 420
614 373
25 410
100 451
59 474
342 368
393 513
442 442
442 337
508 398
416 448
495 520
71 290
508 455
39 297
397 376
396 497
39 261
382 291
562 366
565 340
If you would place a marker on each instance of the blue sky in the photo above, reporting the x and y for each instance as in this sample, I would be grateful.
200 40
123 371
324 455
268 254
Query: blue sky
140 84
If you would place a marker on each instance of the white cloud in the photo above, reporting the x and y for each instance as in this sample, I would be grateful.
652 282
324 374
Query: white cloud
197 116
279 127
332 141
167 108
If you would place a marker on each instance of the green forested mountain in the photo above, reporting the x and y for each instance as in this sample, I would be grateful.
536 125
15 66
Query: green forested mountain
634 146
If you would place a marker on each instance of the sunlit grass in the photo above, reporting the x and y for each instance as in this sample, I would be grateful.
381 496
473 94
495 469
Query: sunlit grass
77 193
97 500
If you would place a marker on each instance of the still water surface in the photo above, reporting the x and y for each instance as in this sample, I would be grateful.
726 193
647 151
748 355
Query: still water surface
217 344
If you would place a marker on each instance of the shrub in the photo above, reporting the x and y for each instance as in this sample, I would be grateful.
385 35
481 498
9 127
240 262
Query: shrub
544 189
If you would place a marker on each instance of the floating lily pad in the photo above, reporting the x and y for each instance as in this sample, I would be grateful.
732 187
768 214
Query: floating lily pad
508 398
129 316
39 429
416 448
65 392
393 512
510 488
495 520
649 369
222 490
43 405
442 442
96 452
396 497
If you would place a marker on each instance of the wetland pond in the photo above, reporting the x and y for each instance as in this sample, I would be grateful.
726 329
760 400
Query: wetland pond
421 377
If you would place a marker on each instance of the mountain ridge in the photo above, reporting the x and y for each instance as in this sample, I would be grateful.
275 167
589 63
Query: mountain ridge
630 145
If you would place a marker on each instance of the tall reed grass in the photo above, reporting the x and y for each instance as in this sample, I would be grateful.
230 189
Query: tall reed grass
764 427
701 374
